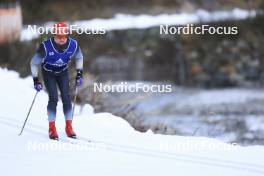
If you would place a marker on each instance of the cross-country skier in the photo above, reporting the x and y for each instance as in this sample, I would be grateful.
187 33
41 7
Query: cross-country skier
54 55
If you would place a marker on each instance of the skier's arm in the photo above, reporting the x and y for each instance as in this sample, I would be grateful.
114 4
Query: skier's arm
79 67
34 64
36 61
79 59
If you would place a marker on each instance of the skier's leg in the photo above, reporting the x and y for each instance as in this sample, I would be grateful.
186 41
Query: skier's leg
64 86
51 86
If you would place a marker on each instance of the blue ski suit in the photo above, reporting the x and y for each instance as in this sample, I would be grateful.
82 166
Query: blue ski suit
54 60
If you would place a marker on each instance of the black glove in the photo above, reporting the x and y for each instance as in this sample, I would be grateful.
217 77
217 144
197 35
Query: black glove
37 84
79 78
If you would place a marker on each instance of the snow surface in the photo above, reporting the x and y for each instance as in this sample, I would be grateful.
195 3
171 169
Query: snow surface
127 21
106 144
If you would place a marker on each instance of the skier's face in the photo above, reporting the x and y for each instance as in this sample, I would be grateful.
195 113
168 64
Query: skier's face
60 39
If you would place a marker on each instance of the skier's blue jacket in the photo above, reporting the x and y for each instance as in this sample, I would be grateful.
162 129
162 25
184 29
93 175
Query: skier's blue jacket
55 61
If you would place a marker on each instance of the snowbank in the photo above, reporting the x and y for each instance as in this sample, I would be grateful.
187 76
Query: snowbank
106 144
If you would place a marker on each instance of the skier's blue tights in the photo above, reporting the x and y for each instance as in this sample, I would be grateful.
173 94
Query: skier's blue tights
60 80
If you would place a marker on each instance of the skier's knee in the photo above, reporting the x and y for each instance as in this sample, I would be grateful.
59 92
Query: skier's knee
53 102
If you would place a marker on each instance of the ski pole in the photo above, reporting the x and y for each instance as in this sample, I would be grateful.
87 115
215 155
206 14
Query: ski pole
28 113
74 101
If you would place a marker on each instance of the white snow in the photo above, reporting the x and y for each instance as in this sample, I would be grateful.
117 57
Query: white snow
127 21
115 148
214 97
198 98
255 124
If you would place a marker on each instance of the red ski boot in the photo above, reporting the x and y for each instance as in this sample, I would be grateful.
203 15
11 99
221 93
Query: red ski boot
52 131
69 131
